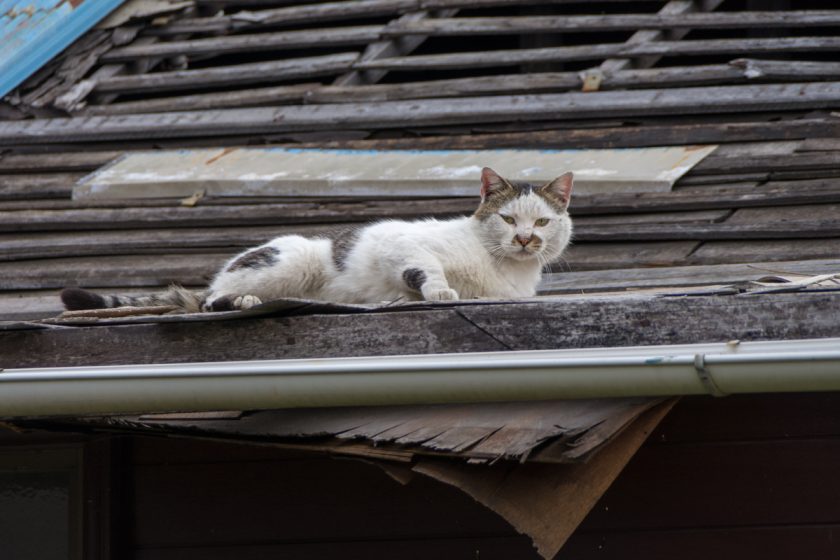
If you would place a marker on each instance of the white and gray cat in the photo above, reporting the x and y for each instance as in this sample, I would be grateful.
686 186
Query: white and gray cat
497 252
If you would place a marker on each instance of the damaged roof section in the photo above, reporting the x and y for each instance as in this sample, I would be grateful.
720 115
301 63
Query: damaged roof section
677 57
543 432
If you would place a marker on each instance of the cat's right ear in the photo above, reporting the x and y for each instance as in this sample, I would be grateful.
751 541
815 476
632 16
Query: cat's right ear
491 183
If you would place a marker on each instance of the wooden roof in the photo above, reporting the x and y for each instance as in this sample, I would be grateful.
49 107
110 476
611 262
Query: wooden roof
653 268
435 74
432 74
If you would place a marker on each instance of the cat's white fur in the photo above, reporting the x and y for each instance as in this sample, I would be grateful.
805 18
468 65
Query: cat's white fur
478 256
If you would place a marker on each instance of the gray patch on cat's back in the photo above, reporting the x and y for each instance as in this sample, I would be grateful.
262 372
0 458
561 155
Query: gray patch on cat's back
414 278
258 258
343 242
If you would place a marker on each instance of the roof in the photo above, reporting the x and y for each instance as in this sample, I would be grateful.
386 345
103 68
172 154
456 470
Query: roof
743 246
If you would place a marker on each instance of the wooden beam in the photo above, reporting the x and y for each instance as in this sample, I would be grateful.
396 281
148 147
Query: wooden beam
811 161
401 114
516 25
255 72
251 97
462 327
542 82
289 15
328 11
259 42
610 136
594 281
501 58
257 213
546 82
244 212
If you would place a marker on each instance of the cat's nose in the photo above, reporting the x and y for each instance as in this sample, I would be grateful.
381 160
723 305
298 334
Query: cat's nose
522 240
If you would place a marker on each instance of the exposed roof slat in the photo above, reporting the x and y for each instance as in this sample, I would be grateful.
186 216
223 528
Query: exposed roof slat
403 114
466 26
254 72
512 57
258 42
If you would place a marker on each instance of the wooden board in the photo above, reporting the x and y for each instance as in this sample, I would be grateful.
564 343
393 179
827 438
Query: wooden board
254 72
277 41
594 23
502 58
402 114
713 252
37 186
465 327
785 214
16 247
634 278
609 135
599 256
111 271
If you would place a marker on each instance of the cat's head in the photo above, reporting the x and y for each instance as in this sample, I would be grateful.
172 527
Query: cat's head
522 221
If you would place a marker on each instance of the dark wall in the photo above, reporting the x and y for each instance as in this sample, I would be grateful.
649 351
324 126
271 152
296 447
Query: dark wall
214 502
722 479
734 478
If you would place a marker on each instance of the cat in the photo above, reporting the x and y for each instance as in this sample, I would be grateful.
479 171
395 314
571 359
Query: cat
497 252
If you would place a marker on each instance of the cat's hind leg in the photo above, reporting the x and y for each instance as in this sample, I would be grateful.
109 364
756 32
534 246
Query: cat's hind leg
286 267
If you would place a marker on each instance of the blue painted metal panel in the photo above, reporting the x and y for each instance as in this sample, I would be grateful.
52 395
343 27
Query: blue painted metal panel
34 31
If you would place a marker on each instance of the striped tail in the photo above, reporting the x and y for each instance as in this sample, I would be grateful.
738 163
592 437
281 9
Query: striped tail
186 300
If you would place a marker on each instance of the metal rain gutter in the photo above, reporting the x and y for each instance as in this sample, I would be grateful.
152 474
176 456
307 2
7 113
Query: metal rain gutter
718 369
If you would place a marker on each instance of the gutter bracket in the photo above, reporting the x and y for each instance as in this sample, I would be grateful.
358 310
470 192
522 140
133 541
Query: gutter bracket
706 376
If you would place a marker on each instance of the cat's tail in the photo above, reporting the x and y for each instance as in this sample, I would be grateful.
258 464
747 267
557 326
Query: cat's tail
186 300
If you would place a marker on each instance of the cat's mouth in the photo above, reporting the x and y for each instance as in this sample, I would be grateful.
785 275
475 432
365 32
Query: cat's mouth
522 253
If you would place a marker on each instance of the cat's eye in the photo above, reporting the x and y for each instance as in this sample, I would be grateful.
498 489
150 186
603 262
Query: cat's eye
508 219
542 222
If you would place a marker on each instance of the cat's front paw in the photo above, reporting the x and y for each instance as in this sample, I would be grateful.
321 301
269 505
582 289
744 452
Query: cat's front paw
441 295
246 302
231 303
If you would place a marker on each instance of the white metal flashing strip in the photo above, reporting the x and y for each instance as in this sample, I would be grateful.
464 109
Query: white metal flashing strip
313 172
730 368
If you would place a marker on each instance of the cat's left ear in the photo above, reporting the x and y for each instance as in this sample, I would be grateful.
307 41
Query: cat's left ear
561 188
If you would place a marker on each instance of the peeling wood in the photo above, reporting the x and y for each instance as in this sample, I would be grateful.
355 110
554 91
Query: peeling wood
547 502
